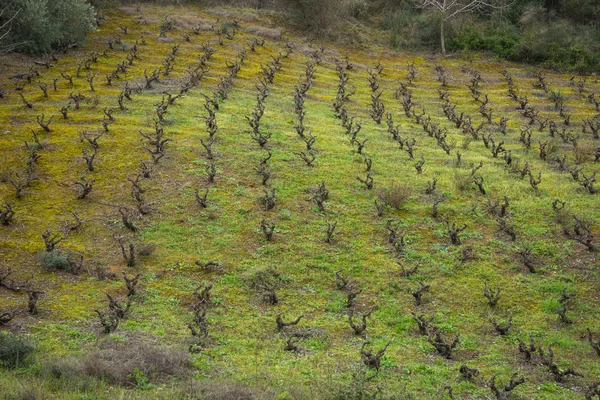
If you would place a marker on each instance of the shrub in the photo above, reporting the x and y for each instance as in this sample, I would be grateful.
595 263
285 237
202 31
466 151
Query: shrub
43 25
211 389
395 195
461 181
65 373
14 350
502 41
135 362
583 152
54 260
59 368
146 250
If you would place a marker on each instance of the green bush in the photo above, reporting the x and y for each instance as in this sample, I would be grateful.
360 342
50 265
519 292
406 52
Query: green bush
502 42
14 350
54 260
43 25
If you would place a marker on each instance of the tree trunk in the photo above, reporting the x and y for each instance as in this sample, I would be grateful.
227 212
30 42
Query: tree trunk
442 40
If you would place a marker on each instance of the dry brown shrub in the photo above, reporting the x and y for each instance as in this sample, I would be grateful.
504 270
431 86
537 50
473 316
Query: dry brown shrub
249 17
583 152
116 362
461 181
268 33
395 195
224 390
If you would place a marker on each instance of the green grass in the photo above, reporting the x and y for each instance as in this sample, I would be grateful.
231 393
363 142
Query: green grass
245 345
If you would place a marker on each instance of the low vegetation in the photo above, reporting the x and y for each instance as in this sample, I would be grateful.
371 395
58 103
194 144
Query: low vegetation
192 206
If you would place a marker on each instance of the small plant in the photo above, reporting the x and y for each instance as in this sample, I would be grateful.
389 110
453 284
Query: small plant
434 337
201 199
435 206
418 293
45 124
84 187
379 208
319 195
502 329
117 308
491 294
330 231
423 322
269 200
340 282
6 214
351 293
454 232
268 229
281 324
419 165
360 327
131 284
309 158
367 181
528 258
127 251
32 298
562 308
126 218
372 360
108 320
266 282
527 350
468 373
466 253
291 344
54 260
504 393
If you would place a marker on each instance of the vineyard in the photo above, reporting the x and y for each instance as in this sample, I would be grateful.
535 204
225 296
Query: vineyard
196 205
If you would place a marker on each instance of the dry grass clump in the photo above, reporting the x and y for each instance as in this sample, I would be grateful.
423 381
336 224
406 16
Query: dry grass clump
583 152
225 390
461 181
117 362
395 195
269 33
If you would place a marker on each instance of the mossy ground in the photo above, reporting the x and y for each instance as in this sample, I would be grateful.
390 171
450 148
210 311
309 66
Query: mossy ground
247 347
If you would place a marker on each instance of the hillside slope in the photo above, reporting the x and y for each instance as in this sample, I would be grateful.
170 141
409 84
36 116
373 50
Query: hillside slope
448 161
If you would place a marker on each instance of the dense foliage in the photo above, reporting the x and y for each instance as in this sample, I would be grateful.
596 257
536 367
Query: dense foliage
559 34
39 26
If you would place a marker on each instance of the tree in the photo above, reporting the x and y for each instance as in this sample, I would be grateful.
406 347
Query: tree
449 9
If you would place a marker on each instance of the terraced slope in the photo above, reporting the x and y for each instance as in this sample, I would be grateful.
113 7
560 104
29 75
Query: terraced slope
477 156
